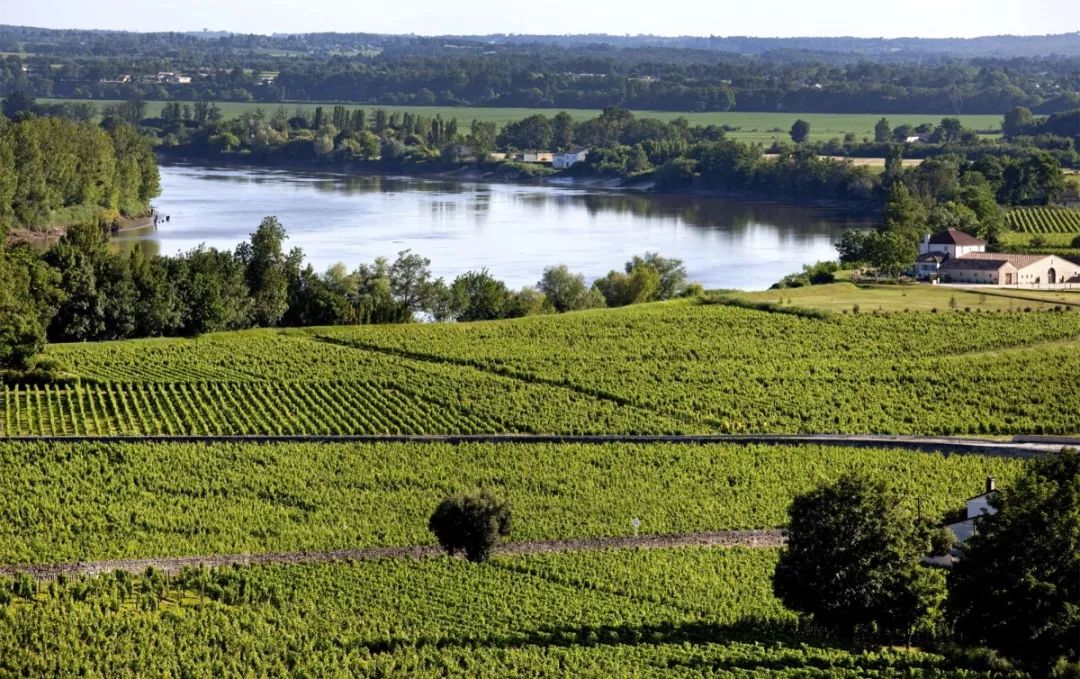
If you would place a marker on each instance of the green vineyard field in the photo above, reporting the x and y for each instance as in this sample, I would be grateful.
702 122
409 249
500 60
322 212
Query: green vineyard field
690 612
1044 219
72 502
663 368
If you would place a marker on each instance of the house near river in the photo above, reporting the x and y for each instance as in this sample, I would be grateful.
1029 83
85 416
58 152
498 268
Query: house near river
956 257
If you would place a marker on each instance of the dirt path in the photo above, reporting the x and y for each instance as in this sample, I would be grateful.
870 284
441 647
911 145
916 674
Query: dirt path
734 538
939 444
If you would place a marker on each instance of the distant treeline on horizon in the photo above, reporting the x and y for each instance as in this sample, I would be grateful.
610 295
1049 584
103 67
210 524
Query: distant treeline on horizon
809 75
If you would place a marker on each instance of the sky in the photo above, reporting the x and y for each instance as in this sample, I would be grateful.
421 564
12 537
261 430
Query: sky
766 18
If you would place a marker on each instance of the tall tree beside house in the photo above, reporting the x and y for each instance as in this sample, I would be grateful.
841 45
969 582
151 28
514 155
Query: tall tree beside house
1016 587
562 131
853 562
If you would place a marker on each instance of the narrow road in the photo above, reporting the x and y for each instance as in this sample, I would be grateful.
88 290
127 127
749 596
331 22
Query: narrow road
942 444
733 538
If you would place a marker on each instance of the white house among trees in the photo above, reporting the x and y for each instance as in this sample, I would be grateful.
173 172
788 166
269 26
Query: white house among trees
956 257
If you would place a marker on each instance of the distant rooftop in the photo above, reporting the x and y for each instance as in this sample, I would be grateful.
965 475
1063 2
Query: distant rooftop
955 237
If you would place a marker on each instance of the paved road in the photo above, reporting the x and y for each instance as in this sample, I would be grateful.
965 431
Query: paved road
944 444
172 565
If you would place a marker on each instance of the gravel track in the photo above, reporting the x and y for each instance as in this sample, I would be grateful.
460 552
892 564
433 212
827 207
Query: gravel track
734 538
942 444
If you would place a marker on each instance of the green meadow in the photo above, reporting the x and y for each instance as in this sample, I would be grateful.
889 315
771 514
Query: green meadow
761 127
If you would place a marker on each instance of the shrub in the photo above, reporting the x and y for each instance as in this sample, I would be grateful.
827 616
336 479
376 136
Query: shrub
470 523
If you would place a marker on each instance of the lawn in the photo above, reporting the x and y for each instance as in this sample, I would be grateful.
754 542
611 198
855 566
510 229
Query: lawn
844 297
761 127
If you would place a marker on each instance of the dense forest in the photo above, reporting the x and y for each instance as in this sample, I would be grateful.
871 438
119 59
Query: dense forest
591 72
58 171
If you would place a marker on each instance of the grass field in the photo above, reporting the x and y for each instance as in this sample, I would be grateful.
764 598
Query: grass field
763 127
845 297
669 367
691 612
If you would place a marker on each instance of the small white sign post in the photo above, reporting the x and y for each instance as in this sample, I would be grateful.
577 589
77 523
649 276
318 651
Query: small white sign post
636 523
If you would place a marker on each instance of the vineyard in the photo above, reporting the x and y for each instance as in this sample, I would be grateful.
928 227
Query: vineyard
1044 220
666 368
71 502
615 613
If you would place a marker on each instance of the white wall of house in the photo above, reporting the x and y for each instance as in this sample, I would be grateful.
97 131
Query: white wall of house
1039 273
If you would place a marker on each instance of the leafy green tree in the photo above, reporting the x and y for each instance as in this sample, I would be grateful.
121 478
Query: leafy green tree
882 131
1018 121
412 284
478 296
853 562
1016 587
562 131
534 132
566 291
672 273
265 271
800 131
471 523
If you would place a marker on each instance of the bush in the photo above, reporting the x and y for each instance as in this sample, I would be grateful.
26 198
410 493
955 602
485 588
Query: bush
853 562
471 524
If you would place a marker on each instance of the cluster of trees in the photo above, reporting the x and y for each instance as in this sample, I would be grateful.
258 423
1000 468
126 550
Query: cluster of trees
950 192
58 170
534 71
854 565
82 290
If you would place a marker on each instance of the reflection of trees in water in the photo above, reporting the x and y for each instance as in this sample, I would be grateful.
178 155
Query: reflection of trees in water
731 216
150 247
713 213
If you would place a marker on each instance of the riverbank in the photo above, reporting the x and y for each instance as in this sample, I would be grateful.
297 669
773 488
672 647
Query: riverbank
51 234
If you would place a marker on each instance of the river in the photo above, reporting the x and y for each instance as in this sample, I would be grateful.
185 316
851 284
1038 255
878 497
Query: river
512 230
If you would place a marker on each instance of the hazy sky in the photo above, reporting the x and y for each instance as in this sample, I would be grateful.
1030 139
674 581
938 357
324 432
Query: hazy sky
924 18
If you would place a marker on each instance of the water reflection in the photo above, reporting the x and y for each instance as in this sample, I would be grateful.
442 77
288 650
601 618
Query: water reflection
515 231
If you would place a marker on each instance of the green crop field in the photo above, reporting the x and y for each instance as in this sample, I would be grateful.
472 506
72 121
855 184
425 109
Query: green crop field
669 367
762 127
1040 220
68 502
689 612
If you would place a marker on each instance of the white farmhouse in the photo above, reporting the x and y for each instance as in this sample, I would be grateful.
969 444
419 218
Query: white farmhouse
566 159
953 256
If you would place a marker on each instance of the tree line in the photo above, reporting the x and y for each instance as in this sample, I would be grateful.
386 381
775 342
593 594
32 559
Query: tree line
401 70
950 192
81 289
54 170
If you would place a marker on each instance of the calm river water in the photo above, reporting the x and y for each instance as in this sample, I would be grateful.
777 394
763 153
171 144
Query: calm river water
514 231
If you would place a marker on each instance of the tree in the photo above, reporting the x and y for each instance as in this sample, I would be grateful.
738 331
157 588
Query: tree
471 523
478 296
882 131
267 279
18 104
852 561
1016 587
1018 121
412 285
566 291
800 131
562 131
672 273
